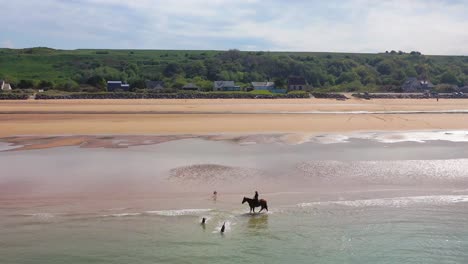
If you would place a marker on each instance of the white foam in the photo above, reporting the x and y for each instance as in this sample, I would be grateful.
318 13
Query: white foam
421 137
331 139
7 146
182 212
394 137
122 215
41 215
395 202
117 209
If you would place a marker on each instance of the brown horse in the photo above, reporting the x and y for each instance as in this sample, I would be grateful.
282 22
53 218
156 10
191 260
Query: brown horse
252 203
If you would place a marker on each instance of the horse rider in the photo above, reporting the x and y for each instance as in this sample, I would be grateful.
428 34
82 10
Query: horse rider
256 197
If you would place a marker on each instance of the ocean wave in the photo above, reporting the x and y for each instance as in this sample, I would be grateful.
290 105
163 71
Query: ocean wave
41 215
181 212
8 146
395 202
381 137
122 215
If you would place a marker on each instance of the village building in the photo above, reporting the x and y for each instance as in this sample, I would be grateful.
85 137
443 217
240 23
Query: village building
267 86
155 85
414 85
4 86
113 86
225 86
297 83
190 87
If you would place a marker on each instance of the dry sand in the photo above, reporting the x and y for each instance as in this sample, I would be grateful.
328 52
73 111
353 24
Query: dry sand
84 117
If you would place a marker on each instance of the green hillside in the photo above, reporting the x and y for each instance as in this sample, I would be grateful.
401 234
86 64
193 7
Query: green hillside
74 69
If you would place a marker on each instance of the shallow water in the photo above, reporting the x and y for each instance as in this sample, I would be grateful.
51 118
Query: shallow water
325 233
361 201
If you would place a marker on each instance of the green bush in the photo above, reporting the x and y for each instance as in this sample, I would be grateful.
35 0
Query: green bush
180 95
13 96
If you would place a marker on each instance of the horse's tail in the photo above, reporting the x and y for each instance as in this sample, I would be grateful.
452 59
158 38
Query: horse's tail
266 206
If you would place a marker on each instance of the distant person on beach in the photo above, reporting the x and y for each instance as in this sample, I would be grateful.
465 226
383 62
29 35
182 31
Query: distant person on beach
215 195
256 197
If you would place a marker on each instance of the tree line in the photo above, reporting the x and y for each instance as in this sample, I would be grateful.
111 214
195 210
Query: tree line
331 72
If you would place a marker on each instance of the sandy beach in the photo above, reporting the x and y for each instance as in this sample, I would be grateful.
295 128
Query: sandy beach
58 117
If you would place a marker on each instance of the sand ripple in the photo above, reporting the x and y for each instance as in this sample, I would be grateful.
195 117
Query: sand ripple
387 172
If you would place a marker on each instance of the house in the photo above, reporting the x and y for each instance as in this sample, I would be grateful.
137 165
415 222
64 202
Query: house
225 86
190 87
297 83
267 86
155 85
4 86
257 86
414 85
113 86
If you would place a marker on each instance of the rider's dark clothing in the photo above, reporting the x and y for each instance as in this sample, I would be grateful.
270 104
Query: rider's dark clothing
256 197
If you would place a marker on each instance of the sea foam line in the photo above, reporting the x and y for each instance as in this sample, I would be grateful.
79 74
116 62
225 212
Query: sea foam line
395 202
180 212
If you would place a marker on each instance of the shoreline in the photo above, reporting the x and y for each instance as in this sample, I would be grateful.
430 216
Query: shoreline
115 141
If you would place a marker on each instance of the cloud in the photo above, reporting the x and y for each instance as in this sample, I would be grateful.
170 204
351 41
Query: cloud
429 26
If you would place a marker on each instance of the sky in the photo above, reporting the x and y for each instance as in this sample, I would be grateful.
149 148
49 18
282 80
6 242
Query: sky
438 27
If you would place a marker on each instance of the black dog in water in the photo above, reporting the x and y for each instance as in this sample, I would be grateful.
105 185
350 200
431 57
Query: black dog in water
223 228
203 221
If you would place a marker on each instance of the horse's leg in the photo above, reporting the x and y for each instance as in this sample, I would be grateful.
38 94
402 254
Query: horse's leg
261 210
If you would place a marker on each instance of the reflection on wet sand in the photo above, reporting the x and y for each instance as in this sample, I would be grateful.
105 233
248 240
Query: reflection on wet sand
258 221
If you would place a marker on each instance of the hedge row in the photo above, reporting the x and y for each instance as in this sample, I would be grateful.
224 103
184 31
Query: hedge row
13 96
329 95
221 95
408 96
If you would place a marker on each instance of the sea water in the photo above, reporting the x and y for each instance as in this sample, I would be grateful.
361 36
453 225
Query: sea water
359 201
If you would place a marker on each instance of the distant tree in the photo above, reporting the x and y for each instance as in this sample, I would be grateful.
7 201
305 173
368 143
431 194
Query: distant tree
194 69
423 71
449 77
45 84
347 77
172 69
137 83
25 84
384 67
179 82
279 83
96 81
67 85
